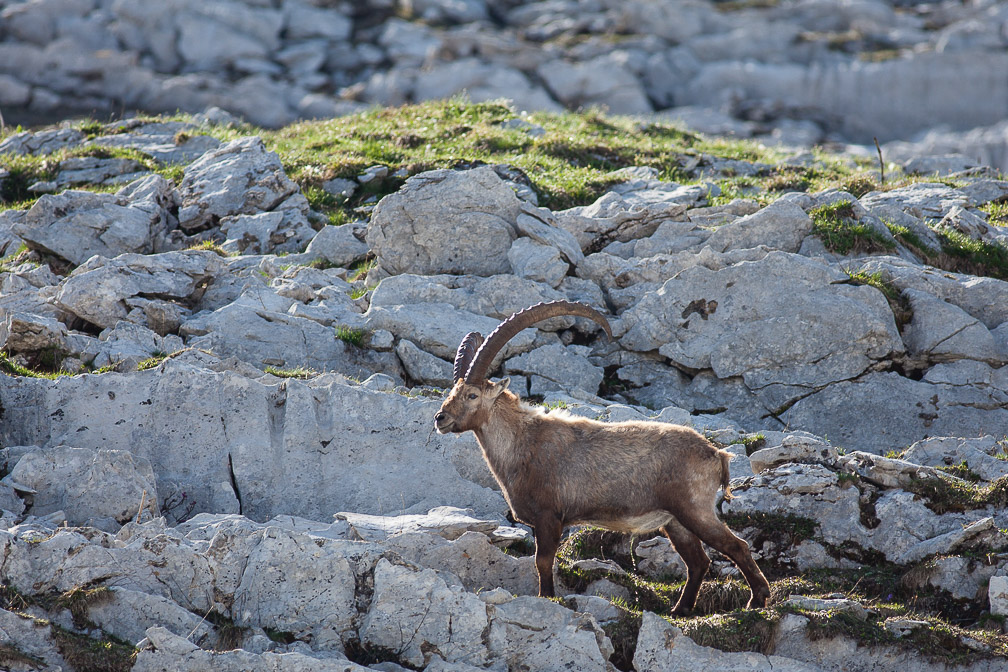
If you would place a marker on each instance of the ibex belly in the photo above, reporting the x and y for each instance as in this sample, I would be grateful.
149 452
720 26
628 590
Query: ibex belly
647 522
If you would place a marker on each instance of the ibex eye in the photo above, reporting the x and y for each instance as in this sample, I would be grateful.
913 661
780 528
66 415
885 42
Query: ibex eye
473 395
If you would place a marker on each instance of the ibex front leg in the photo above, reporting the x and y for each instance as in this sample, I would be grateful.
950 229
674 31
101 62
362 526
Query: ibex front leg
547 533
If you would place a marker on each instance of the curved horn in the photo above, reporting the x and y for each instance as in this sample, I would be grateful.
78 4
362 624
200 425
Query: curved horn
466 351
507 330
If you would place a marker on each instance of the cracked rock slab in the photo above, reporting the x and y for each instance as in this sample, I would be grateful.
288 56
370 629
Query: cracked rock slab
941 331
293 584
445 521
783 319
418 615
101 488
879 412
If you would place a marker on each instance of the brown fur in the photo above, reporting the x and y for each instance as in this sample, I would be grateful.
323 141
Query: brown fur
558 470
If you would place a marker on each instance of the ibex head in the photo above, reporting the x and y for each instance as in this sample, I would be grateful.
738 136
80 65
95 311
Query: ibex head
473 395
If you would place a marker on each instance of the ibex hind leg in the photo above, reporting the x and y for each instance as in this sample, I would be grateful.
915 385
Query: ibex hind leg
688 546
716 534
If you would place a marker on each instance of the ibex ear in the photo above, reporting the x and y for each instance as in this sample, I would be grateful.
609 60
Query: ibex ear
500 387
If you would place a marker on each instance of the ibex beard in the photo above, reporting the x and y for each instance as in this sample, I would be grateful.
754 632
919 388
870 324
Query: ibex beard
557 470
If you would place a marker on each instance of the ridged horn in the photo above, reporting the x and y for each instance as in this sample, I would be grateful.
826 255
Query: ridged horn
507 330
465 353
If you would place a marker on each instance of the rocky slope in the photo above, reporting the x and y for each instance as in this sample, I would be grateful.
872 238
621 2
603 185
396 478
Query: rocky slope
217 408
794 71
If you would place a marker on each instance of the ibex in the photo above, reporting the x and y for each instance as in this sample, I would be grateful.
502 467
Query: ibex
558 470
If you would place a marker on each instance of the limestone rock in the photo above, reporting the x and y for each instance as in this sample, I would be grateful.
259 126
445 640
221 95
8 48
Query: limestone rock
445 521
165 650
98 290
879 412
26 332
339 245
541 227
266 232
497 296
41 142
424 367
479 564
998 595
600 81
940 331
418 614
238 178
782 225
972 225
438 328
795 447
293 584
537 262
835 331
615 217
102 488
266 337
540 634
659 560
446 221
555 367
77 225
130 613
30 638
947 451
169 142
206 434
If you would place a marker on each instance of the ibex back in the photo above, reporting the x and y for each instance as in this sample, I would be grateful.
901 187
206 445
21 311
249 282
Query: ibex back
558 470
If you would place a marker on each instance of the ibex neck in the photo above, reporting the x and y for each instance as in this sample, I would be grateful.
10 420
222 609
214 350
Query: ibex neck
500 437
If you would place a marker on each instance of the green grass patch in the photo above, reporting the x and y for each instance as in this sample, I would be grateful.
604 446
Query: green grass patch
943 495
12 368
80 599
836 224
568 164
85 654
19 256
212 246
973 256
351 335
752 442
299 372
359 271
959 253
747 630
152 361
997 212
899 304
23 172
794 529
962 471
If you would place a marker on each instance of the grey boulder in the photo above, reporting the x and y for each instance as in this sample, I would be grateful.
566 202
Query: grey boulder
446 221
240 177
77 225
